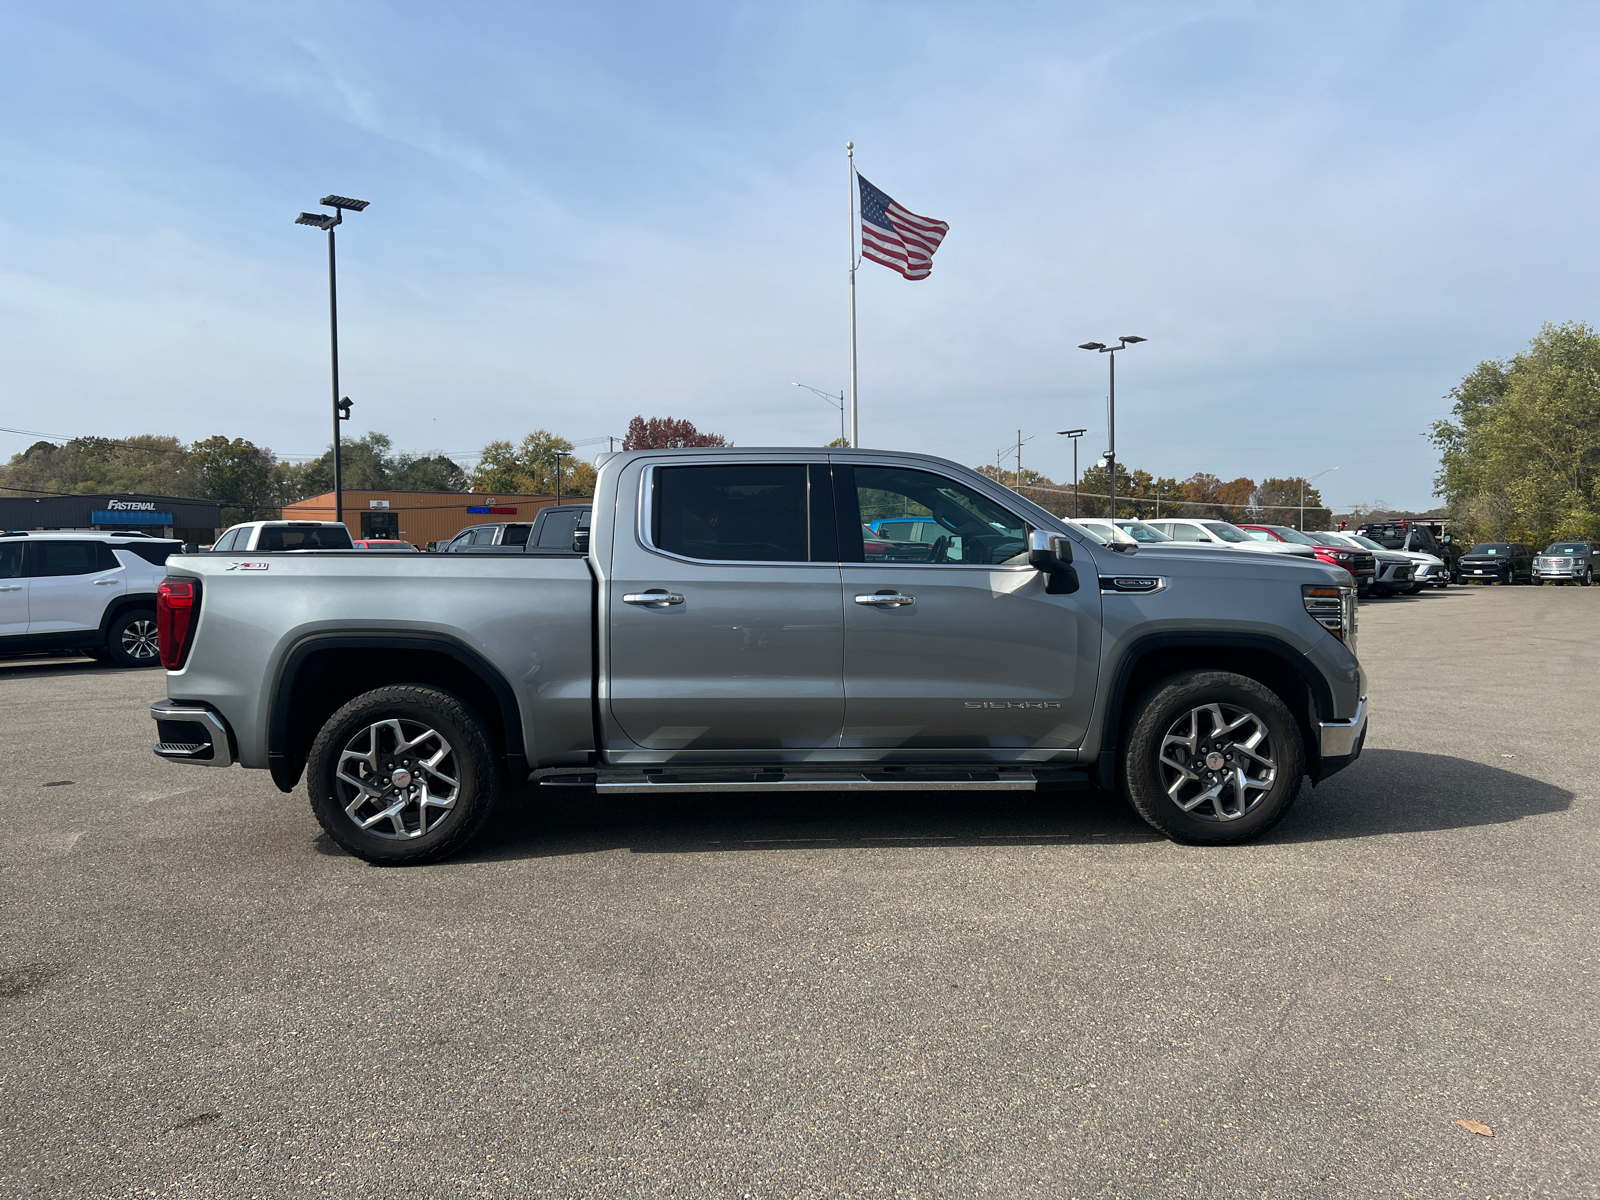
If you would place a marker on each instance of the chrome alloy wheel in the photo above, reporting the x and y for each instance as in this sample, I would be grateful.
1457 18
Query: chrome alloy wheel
397 779
139 641
1217 762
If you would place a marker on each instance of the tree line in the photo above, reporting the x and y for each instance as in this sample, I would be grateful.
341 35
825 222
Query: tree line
1273 501
250 482
1519 455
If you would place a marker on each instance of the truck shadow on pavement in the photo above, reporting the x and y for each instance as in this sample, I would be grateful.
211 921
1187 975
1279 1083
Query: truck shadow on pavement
1386 792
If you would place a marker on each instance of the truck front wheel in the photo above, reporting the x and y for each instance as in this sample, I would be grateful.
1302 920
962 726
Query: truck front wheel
403 775
1212 757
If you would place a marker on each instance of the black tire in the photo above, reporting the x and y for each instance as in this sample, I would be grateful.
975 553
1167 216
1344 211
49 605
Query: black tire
131 639
1164 709
1588 577
364 729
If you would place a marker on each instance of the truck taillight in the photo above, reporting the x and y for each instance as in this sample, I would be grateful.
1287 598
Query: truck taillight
177 610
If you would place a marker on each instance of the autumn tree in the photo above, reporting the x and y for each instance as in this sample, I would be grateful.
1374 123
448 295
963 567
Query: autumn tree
666 433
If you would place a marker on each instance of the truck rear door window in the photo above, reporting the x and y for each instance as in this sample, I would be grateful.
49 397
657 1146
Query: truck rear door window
754 512
556 532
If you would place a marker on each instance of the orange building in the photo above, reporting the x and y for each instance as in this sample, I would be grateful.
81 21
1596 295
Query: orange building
417 517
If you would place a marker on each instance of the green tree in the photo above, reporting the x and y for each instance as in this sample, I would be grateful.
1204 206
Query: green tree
239 475
1520 453
530 468
142 463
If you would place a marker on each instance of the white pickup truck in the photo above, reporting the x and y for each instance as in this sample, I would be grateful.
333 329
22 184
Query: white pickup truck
731 620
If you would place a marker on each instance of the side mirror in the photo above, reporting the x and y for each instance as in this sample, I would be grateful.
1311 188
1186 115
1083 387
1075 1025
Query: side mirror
1051 554
580 541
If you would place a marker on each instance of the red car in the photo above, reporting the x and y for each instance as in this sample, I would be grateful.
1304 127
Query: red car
383 544
1359 563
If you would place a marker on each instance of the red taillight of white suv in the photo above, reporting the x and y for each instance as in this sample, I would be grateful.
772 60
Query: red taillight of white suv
177 609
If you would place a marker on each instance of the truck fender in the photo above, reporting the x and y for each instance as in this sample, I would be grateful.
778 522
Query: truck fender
286 765
1321 695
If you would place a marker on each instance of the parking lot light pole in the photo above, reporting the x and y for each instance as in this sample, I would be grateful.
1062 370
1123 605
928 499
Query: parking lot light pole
836 401
341 407
1111 413
1074 434
1303 482
560 454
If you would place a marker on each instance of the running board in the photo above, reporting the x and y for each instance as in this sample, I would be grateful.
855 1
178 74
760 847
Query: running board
612 782
839 783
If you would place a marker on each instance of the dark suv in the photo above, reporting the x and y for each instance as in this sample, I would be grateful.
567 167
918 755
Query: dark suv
1416 537
1567 562
1497 562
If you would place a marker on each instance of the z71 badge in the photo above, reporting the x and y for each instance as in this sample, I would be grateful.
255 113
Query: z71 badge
242 566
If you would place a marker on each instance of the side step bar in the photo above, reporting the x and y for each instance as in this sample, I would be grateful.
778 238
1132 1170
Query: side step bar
622 782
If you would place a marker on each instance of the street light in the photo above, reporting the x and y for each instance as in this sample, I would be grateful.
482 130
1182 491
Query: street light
837 403
1303 483
341 407
1074 434
1111 454
560 454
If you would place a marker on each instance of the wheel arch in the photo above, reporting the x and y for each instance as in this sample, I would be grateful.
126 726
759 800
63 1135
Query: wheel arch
322 672
123 604
1271 662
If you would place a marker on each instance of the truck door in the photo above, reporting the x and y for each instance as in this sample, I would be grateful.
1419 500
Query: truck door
951 641
725 619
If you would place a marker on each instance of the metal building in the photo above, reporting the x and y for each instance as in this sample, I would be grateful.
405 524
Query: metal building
160 516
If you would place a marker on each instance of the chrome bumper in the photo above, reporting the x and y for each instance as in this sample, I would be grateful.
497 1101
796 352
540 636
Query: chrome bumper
190 733
1339 739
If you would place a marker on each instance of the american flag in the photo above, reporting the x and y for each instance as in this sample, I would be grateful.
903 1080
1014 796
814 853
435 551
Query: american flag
895 237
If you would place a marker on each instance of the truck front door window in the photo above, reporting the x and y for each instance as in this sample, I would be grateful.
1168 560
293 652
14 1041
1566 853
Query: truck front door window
981 656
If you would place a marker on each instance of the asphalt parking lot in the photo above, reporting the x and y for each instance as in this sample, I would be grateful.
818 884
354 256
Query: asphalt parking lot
979 995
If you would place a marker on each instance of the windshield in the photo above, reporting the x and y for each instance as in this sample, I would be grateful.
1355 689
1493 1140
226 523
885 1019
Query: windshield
1569 548
1365 541
1329 539
1096 532
1291 535
1140 532
1228 533
1390 537
1486 548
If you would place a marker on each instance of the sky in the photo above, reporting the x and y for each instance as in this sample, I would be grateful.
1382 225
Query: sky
1321 217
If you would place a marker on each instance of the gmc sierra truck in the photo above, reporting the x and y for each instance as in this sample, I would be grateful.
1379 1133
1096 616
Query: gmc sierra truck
723 624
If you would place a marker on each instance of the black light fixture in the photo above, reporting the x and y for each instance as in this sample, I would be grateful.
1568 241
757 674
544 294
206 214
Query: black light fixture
341 406
1111 413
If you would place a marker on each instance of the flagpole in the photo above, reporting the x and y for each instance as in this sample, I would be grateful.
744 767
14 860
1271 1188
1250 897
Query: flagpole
855 425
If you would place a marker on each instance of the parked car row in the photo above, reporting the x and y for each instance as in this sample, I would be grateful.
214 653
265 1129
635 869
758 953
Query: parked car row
1377 571
1517 562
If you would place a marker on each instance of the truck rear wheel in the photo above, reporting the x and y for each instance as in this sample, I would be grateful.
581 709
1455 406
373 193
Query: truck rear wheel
1212 757
403 775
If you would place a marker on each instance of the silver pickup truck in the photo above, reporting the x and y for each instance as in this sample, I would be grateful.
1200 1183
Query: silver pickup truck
732 621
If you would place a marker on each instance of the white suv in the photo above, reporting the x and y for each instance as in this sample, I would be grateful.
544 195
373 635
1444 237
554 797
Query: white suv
94 592
285 535
1229 537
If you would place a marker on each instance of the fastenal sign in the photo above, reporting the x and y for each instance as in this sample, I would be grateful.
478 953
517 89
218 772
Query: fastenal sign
148 506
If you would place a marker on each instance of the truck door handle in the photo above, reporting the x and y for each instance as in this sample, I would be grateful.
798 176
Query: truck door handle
655 598
13 587
105 583
886 599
